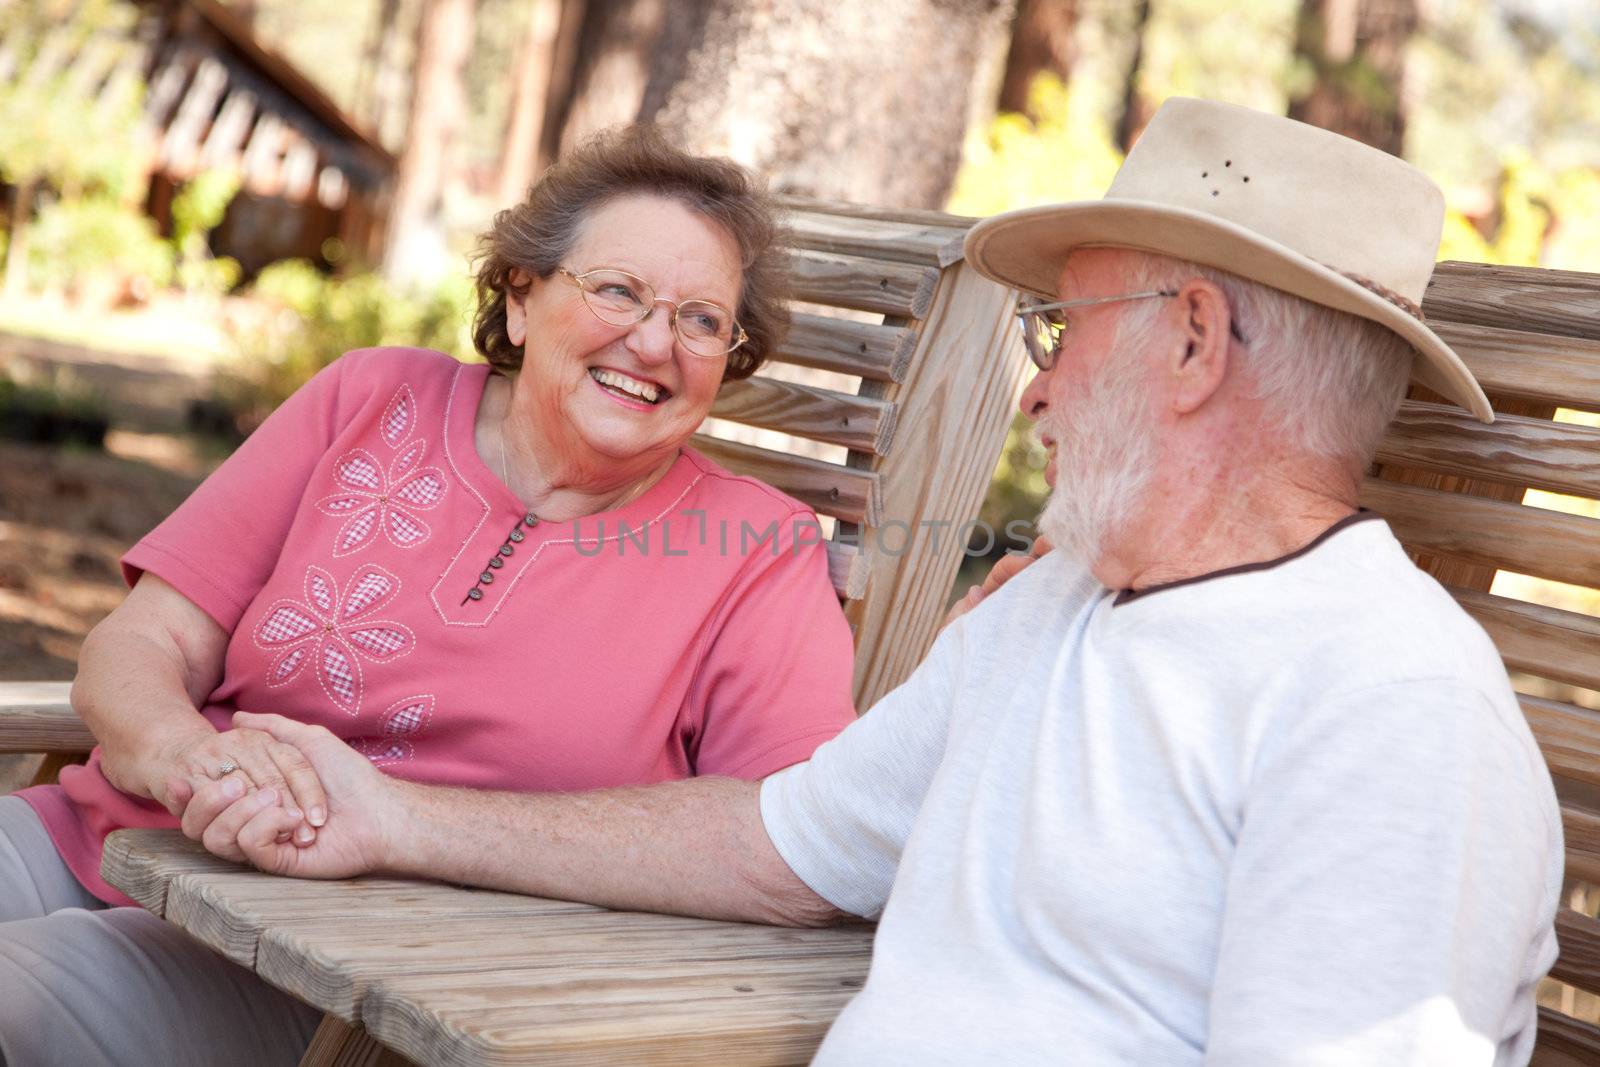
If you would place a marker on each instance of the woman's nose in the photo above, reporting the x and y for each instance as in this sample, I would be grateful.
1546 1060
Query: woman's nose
652 339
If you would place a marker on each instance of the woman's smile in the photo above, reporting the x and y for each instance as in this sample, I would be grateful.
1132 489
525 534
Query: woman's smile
639 394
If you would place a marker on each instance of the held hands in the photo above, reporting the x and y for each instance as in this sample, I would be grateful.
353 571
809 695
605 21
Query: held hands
249 758
258 828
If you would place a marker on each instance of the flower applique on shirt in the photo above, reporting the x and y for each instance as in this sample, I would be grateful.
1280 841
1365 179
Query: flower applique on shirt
329 633
370 498
400 722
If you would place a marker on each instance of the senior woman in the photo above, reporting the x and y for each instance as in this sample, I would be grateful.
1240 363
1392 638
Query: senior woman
499 576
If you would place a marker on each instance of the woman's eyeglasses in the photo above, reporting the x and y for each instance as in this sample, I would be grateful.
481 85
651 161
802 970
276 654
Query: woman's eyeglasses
618 298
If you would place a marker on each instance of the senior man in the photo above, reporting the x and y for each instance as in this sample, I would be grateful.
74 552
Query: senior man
1224 779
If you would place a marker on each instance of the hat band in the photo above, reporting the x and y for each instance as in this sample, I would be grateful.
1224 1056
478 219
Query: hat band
1388 294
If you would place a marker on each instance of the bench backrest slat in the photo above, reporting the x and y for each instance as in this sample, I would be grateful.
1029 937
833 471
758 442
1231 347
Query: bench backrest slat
1453 491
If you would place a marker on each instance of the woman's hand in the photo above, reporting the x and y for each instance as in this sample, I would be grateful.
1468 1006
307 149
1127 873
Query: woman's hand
1008 567
257 828
260 763
143 673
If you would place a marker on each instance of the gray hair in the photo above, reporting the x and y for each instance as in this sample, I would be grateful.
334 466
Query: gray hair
1330 381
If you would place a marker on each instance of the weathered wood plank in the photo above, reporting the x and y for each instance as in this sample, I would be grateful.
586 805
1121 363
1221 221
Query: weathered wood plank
827 488
1455 572
1565 1042
955 404
859 422
1535 299
918 243
1568 735
336 967
1581 828
863 284
38 717
1556 456
449 975
1579 938
301 935
1552 643
338 1044
847 209
1546 544
847 570
868 350
755 995
1551 369
142 863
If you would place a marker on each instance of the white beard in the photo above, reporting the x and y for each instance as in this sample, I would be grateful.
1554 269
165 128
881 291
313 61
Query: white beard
1105 457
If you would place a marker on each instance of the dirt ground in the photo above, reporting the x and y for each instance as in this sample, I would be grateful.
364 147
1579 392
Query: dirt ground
65 519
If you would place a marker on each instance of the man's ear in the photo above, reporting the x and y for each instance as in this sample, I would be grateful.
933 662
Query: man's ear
1199 363
516 313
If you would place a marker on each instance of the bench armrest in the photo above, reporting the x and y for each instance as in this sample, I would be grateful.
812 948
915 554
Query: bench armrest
37 717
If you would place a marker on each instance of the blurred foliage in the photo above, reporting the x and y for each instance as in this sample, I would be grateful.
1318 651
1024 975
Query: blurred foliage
49 130
1018 489
96 237
1068 154
73 152
1504 112
198 209
57 414
316 318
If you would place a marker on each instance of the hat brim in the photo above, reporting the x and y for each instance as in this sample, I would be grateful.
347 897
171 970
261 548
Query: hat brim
1026 250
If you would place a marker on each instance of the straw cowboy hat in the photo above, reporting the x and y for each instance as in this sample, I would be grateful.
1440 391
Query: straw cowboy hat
1289 205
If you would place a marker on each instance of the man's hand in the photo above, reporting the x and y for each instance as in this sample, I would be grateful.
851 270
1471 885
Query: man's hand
1009 566
256 828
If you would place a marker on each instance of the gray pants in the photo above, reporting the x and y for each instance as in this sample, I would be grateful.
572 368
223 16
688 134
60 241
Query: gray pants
83 984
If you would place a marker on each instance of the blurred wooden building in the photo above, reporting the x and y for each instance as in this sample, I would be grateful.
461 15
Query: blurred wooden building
313 183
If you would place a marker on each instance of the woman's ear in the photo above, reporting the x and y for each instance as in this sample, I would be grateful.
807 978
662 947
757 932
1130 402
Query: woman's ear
516 310
1201 363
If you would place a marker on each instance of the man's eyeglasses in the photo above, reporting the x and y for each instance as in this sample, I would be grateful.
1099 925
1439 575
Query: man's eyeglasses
1044 324
618 298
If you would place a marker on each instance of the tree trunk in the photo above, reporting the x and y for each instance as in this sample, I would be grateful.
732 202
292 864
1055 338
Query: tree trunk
369 96
863 102
1041 42
17 239
564 70
530 84
1136 109
415 251
615 46
1356 51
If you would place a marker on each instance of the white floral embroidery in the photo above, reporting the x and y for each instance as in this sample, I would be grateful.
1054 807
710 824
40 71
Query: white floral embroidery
400 721
332 631
371 499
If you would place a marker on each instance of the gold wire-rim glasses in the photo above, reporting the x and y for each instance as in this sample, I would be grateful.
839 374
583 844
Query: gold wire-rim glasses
1041 335
643 300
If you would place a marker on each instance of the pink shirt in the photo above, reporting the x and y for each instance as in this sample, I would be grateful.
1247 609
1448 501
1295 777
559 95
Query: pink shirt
693 631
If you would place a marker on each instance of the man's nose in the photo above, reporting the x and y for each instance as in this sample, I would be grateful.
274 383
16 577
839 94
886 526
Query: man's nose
1033 403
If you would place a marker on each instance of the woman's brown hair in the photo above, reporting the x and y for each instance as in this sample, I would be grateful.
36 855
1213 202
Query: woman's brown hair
536 236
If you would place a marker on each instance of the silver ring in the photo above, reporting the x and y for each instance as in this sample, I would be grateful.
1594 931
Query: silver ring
226 768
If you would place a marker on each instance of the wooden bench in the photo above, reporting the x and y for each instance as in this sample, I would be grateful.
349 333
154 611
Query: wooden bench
1452 489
